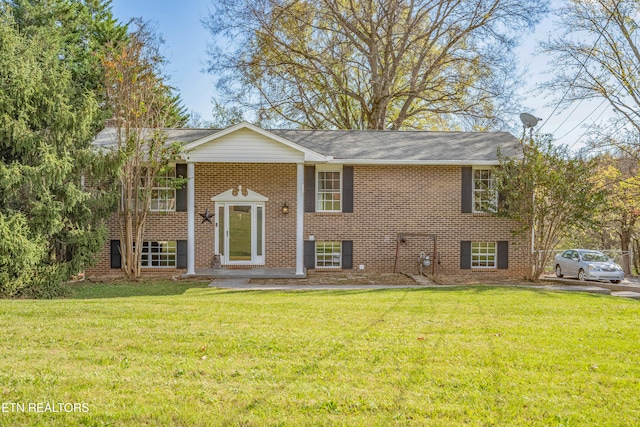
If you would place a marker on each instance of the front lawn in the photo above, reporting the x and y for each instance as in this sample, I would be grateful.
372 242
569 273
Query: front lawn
178 353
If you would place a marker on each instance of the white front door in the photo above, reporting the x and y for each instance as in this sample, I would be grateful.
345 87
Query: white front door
240 233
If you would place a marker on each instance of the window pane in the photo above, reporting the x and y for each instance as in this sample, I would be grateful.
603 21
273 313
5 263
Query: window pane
259 230
485 197
328 191
221 230
163 197
159 254
483 254
328 254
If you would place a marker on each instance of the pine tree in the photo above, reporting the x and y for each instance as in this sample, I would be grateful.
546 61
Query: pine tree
44 127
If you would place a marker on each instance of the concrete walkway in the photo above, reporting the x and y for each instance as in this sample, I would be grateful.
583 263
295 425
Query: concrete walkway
244 284
628 288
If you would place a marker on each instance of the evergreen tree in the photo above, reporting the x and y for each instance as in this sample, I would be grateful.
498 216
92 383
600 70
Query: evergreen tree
47 221
52 103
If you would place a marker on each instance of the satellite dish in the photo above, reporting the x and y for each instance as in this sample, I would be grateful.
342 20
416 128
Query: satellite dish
528 121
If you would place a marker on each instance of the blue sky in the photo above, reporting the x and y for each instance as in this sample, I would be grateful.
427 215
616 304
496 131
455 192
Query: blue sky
179 23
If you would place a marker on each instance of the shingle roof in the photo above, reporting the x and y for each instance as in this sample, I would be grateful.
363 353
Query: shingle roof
405 145
107 137
376 146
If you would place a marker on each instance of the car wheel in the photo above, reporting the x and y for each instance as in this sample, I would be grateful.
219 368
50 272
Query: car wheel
559 271
615 281
581 276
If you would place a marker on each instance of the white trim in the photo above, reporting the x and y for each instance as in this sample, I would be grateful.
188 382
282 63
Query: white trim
191 211
149 254
167 188
474 191
300 219
486 255
413 162
328 168
255 258
237 195
331 267
309 155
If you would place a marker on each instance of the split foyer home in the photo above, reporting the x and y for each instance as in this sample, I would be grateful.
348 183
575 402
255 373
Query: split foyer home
375 201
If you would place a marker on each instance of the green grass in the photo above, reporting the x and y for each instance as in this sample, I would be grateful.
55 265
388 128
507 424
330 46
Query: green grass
176 353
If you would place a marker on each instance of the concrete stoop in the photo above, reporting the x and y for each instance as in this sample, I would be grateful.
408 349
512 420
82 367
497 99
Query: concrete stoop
420 279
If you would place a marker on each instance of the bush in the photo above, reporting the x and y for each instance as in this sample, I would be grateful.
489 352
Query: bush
22 273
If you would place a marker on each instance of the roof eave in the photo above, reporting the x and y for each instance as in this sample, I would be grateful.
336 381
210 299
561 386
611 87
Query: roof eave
309 155
421 162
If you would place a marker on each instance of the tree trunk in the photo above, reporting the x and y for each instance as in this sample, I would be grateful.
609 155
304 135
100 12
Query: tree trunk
636 259
625 242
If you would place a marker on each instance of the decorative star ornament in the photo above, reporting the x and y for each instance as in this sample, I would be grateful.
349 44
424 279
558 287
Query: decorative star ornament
206 216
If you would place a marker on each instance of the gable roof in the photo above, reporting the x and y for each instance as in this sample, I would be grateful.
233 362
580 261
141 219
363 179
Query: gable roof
309 153
363 147
421 147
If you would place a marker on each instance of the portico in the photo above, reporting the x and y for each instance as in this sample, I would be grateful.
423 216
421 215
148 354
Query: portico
243 216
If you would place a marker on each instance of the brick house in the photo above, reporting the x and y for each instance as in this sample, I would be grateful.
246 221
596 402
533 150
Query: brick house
376 201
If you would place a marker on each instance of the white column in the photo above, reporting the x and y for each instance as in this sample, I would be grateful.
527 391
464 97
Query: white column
300 220
191 224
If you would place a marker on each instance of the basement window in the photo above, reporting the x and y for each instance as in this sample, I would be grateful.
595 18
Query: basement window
328 254
484 255
159 254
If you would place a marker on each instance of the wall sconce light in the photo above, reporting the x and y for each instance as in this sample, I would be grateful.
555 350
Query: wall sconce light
285 208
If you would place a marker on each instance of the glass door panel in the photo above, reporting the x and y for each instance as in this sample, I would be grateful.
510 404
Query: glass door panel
239 234
259 230
221 229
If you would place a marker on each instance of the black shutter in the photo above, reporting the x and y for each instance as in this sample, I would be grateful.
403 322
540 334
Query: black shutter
116 258
347 189
465 255
347 254
503 255
309 188
502 201
181 193
467 190
181 257
310 254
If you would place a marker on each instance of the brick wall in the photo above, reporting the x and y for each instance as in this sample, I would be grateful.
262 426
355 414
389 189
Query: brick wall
275 181
411 199
387 200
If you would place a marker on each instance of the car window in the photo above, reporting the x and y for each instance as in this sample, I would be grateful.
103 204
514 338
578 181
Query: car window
574 256
594 257
566 254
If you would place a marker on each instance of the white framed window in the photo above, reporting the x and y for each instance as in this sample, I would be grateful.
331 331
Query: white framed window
484 255
328 254
159 254
163 195
328 189
485 196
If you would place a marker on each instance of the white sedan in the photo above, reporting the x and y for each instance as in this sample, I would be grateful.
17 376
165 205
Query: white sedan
587 265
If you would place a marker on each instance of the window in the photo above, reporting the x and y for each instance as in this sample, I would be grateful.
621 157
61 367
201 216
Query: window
485 196
328 254
163 195
329 190
483 255
159 254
